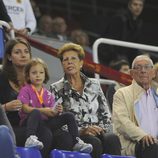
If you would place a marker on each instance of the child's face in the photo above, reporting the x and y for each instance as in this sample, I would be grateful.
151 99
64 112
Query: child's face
37 75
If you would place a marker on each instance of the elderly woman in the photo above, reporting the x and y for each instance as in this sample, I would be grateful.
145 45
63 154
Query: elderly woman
84 97
17 55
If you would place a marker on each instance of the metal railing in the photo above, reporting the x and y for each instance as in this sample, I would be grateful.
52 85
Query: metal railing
3 23
118 43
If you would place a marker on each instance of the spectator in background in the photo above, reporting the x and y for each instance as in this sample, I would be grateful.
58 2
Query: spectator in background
155 80
36 9
4 17
3 13
22 16
84 98
45 26
121 66
60 29
80 37
135 112
126 25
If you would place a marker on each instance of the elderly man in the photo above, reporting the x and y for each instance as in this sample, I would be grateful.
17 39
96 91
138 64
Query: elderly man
135 112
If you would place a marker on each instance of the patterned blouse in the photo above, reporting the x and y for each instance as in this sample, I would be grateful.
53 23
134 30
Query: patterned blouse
90 108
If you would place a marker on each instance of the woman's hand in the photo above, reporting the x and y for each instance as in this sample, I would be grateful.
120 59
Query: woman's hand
13 105
91 130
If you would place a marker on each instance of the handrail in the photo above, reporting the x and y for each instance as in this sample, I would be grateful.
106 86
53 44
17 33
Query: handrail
107 82
3 23
118 43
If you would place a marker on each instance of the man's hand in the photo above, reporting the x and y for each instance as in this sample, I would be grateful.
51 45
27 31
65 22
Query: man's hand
148 140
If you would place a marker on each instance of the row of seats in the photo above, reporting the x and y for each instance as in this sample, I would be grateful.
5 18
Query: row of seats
35 153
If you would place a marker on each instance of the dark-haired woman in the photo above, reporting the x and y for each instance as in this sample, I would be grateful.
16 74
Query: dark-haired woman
17 55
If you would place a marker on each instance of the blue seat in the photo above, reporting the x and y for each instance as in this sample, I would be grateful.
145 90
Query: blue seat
28 152
68 154
1 43
115 156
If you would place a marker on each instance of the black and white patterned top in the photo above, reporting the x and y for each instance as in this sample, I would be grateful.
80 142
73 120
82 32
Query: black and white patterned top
90 108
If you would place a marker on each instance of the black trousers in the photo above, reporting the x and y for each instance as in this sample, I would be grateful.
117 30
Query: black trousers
49 129
34 121
66 118
43 133
105 143
147 152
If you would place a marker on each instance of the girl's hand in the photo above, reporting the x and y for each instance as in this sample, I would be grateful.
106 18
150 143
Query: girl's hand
48 112
59 108
13 105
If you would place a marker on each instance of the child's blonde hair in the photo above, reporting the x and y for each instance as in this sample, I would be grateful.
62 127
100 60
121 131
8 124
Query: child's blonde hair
33 62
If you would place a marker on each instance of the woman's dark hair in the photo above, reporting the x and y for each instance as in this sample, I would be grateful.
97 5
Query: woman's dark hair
116 65
8 67
130 1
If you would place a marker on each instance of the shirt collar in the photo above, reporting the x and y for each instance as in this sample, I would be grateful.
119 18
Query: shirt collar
67 85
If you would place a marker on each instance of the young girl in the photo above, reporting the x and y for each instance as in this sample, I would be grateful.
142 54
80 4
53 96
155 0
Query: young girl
39 108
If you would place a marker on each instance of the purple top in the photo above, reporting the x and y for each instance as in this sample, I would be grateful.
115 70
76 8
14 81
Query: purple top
28 96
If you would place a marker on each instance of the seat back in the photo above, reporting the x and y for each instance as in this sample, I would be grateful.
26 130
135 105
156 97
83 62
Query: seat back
115 156
68 154
1 44
28 152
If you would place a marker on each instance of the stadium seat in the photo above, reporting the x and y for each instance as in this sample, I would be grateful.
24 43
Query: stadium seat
68 154
28 152
115 156
1 44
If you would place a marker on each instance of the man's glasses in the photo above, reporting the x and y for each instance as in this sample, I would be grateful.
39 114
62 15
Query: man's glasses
146 67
